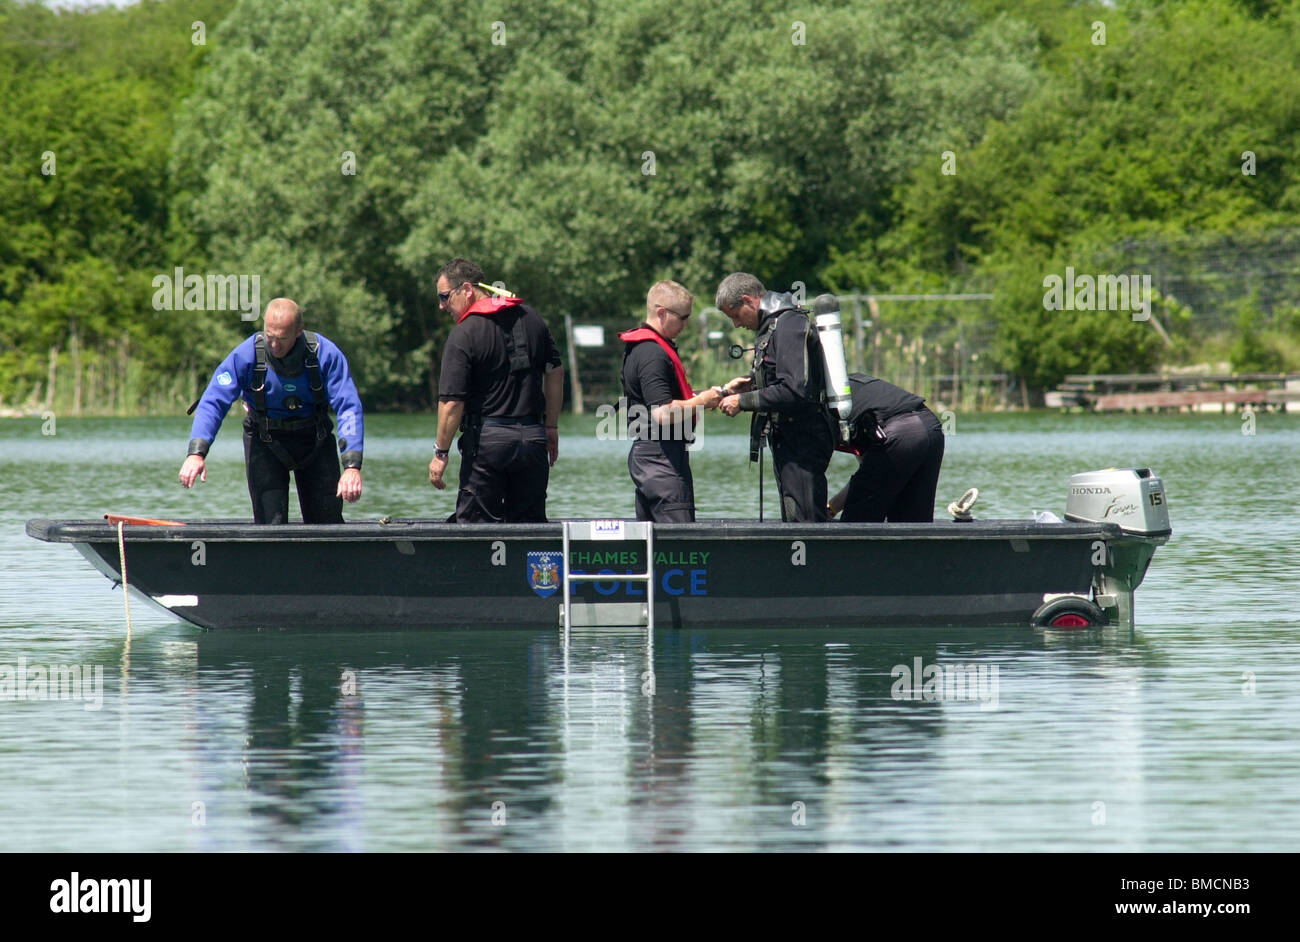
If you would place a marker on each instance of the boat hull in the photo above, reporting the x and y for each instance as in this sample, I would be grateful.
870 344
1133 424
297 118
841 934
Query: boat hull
411 574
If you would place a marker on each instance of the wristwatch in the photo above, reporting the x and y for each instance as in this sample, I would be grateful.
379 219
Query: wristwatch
440 453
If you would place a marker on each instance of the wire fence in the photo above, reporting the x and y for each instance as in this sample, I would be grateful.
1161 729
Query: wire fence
925 343
944 346
1213 275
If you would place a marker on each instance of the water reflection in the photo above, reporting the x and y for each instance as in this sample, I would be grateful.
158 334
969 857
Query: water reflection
1154 730
703 740
300 753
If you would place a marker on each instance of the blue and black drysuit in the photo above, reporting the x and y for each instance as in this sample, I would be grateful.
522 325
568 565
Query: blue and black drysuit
287 427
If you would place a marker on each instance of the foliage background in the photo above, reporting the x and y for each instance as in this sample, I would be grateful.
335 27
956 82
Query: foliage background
521 135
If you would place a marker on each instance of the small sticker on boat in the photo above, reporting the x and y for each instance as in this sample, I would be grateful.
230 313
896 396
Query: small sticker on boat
607 529
177 601
544 573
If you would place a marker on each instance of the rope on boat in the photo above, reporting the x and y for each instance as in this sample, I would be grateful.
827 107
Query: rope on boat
126 595
961 507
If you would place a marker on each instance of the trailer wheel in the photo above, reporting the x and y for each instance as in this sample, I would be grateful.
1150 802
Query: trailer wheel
1069 612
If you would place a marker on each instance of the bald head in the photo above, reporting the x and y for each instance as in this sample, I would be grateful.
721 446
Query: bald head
284 311
282 325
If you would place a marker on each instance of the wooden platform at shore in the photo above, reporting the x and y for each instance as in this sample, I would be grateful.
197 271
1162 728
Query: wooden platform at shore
1136 392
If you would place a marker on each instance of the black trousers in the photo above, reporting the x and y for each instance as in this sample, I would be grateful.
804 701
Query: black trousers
268 478
801 453
503 478
898 479
665 490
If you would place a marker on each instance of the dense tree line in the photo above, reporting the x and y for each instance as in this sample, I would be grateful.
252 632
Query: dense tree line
88 104
581 149
1178 125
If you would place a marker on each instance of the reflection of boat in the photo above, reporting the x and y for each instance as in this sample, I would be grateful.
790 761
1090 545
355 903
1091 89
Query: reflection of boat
425 574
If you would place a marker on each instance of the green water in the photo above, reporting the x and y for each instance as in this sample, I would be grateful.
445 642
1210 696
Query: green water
1180 736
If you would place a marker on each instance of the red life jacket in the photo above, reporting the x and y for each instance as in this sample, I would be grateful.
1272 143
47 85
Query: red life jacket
516 339
489 305
647 333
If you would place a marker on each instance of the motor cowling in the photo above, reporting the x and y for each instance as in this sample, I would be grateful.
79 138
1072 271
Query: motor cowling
1134 498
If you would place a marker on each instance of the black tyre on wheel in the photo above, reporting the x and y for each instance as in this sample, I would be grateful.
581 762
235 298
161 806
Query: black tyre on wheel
1069 612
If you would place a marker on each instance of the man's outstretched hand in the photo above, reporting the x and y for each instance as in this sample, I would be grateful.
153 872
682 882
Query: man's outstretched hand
350 485
194 467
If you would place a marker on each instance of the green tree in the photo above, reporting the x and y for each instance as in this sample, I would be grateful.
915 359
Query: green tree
1146 135
1251 351
84 134
700 138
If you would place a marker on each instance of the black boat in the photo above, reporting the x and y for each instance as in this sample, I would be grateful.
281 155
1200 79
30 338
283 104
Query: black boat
1080 572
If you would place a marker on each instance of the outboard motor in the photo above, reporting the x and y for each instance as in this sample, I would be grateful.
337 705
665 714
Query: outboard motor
1133 498
830 331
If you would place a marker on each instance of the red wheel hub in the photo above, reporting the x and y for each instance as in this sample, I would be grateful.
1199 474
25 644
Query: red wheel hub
1070 620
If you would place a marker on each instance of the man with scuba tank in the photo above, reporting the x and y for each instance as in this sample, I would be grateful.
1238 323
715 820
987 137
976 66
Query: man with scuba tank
788 395
502 386
662 408
809 406
289 379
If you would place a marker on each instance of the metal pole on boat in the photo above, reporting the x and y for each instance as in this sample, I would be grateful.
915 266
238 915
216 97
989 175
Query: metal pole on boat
760 480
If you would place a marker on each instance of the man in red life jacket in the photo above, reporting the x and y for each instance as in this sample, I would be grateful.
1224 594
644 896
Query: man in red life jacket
662 408
502 385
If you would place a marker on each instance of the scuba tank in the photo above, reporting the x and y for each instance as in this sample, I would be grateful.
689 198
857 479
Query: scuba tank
830 331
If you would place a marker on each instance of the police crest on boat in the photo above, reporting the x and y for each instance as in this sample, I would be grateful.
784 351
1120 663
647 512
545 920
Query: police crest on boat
543 569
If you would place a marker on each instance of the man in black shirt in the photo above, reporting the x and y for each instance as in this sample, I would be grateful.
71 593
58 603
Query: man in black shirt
662 408
787 398
900 446
502 385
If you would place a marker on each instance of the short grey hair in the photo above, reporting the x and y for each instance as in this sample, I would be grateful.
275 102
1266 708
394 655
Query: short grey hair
734 287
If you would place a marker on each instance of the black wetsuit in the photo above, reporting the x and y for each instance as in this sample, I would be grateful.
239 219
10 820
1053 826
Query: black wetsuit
658 461
787 399
504 466
901 442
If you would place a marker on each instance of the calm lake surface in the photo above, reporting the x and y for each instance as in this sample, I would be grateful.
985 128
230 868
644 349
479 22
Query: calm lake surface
1181 736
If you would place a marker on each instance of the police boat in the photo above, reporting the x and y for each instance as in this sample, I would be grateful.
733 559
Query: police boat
1080 572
